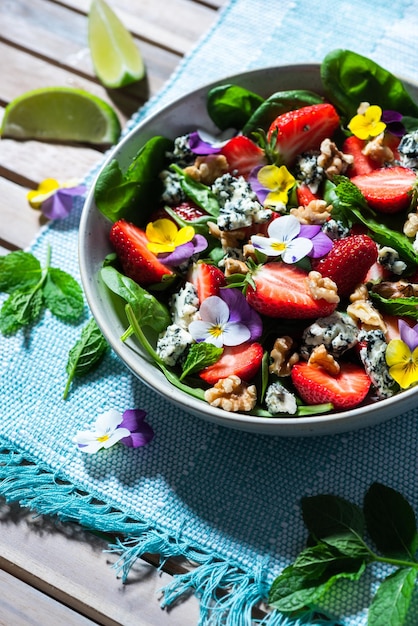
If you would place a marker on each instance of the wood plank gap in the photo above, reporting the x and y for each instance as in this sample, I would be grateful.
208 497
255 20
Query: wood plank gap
19 179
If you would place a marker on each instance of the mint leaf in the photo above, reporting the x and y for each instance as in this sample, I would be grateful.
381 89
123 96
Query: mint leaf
393 597
200 355
19 270
390 521
63 295
396 306
327 515
201 194
86 354
20 309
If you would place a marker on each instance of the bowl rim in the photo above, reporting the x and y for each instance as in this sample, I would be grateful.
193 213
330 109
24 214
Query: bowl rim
326 423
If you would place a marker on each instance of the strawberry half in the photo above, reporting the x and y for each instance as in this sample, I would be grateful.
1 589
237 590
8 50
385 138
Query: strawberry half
304 195
243 361
316 386
281 291
207 279
363 164
242 155
348 262
303 129
388 189
188 211
138 263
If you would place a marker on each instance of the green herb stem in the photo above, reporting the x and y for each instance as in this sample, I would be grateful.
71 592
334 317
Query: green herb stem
140 335
128 332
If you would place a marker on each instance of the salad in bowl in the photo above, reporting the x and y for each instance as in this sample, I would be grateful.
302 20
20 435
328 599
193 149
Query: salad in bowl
251 251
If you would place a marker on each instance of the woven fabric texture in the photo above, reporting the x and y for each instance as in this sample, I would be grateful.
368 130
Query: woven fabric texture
229 494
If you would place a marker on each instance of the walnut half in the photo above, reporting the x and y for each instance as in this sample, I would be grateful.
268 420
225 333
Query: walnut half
232 394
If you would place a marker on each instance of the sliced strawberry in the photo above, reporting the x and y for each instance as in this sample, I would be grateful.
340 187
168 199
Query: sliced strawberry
363 163
303 129
242 155
316 386
188 211
348 262
376 273
138 263
388 189
243 361
282 291
207 279
304 195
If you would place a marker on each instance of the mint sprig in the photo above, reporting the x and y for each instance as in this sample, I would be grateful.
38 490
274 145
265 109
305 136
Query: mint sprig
338 549
33 288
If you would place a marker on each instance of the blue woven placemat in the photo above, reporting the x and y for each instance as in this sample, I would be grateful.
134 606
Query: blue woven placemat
228 500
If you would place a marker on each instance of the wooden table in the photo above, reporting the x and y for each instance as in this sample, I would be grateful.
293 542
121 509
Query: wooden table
58 573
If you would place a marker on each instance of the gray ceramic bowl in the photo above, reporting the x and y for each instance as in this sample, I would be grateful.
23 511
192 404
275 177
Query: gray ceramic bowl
180 117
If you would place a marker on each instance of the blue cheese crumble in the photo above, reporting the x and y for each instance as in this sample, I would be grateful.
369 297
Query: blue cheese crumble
172 343
389 258
373 356
239 206
184 306
172 192
278 399
408 150
337 332
335 229
181 153
308 170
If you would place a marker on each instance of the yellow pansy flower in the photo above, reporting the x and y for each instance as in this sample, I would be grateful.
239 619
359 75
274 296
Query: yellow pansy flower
164 236
46 188
368 123
402 362
277 181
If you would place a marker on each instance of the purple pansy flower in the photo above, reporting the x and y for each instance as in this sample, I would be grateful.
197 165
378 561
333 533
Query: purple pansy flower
321 243
393 121
141 432
184 252
203 143
59 205
240 311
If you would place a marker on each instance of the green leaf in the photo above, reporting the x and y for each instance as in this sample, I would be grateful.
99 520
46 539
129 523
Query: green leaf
348 545
400 307
393 597
63 295
390 520
201 194
145 306
327 515
350 78
200 355
132 194
19 270
86 354
230 106
21 308
277 104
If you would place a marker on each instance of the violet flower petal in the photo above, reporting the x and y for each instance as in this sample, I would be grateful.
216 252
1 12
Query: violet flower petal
260 191
240 311
183 252
199 146
321 245
309 230
132 419
408 335
59 205
393 121
139 438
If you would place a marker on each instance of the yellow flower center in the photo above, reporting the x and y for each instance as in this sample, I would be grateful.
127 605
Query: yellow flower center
103 438
216 331
164 236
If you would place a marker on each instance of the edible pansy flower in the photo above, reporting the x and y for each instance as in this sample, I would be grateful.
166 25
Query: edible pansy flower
203 143
271 184
321 243
184 252
367 123
241 311
111 427
393 121
285 240
164 236
217 326
55 200
402 356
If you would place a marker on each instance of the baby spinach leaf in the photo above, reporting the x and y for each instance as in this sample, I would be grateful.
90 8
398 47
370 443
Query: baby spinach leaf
277 104
201 194
327 515
132 194
86 354
390 605
19 270
230 106
200 355
63 295
390 520
350 78
396 306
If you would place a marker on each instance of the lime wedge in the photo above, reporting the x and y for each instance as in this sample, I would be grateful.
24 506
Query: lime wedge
116 58
61 114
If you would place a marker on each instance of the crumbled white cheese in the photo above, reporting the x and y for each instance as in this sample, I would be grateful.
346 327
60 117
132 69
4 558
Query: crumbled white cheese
408 150
280 400
181 153
335 229
184 306
308 170
372 354
172 192
337 332
389 258
239 206
172 343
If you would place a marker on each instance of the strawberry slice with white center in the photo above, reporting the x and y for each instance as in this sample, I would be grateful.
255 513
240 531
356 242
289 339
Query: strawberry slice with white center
138 263
303 129
282 291
316 386
207 279
243 361
242 155
387 190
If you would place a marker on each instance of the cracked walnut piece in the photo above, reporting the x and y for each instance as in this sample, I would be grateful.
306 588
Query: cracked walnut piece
321 358
206 169
232 394
332 160
322 287
282 362
364 312
377 151
316 212
410 227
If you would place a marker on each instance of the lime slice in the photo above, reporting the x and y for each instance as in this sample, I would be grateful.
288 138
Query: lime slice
116 58
61 114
